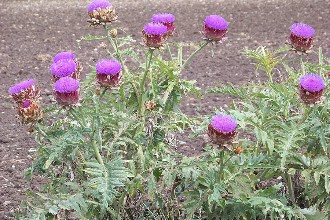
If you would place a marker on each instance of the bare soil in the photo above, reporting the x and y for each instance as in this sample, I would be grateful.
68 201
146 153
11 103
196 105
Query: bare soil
33 31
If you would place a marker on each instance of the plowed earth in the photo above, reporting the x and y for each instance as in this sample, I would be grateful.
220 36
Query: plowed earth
33 31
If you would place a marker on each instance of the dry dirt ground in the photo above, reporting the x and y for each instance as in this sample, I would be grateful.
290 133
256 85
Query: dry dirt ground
33 31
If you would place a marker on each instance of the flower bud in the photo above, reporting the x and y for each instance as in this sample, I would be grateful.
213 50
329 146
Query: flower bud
311 88
215 28
108 73
101 11
150 105
167 20
24 91
155 35
238 150
113 33
66 91
29 112
301 38
222 129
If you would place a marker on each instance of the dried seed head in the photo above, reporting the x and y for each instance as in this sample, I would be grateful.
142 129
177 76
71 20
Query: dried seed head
101 12
29 112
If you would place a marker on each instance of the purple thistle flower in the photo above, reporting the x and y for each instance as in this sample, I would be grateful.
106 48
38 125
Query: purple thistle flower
26 104
107 73
64 56
67 91
98 4
311 88
108 67
222 129
21 86
63 68
224 123
215 28
162 17
302 30
66 85
312 82
301 37
167 20
155 35
216 21
155 29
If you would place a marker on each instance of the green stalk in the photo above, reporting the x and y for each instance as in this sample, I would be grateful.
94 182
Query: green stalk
169 51
290 188
107 34
97 152
143 82
194 53
96 128
222 163
114 44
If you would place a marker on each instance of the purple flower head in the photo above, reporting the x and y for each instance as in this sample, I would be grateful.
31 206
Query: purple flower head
21 86
98 4
217 22
312 82
155 28
159 18
63 68
66 85
26 104
64 56
224 123
108 67
302 30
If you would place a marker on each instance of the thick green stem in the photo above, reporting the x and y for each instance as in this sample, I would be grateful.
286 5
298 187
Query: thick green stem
143 82
194 53
95 135
290 188
97 152
222 164
306 112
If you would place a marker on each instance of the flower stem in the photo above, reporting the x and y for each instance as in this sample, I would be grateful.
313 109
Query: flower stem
290 188
194 53
142 84
114 44
97 152
223 164
169 51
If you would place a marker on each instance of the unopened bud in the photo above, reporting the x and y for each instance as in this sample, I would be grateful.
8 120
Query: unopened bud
238 150
113 33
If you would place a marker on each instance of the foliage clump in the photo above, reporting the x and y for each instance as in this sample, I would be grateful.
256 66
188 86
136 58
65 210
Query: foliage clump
107 147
